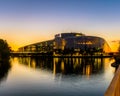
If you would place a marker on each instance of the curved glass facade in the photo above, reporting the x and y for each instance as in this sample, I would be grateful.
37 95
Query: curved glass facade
69 41
81 42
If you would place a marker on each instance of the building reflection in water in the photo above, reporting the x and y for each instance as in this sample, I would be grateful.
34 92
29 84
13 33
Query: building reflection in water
83 66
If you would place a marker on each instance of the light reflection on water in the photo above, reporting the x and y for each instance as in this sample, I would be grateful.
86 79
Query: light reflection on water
40 76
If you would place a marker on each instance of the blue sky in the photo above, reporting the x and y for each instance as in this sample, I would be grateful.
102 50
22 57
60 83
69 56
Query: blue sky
28 21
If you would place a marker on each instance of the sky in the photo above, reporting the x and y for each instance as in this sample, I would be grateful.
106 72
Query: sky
23 22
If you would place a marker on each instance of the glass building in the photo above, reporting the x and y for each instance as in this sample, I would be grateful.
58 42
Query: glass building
76 42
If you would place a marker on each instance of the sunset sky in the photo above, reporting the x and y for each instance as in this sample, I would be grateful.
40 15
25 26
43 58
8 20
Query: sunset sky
24 22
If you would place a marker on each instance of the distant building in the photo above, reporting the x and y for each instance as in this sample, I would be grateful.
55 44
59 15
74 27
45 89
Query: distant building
69 41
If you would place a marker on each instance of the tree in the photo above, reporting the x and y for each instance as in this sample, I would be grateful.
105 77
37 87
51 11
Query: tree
4 49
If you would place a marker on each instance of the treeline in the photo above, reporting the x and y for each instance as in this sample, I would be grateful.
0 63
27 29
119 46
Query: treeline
4 50
4 59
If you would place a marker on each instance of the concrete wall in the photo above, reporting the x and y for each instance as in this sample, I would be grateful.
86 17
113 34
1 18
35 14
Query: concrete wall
114 87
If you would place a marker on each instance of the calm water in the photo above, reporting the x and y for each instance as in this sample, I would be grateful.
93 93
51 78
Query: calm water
40 76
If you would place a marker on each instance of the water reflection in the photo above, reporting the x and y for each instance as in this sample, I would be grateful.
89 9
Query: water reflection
43 76
83 66
4 69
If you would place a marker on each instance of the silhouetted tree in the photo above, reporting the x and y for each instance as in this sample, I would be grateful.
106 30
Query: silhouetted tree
4 59
4 50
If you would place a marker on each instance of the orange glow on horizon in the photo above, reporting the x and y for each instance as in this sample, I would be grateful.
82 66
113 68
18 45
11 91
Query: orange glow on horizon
114 46
18 36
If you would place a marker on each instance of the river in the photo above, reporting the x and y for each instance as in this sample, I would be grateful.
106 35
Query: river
43 76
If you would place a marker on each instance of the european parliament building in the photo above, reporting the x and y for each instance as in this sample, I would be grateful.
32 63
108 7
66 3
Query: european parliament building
67 42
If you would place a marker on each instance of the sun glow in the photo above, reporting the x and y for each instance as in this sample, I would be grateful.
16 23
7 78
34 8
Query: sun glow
114 46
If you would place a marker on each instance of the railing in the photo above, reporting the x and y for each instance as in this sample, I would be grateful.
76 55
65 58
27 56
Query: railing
51 53
114 87
31 53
